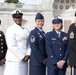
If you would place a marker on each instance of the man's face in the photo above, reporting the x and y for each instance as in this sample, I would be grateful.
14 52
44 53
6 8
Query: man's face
18 20
40 22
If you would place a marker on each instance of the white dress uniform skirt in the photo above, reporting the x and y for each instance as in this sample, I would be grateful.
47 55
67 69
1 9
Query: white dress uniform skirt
16 68
2 69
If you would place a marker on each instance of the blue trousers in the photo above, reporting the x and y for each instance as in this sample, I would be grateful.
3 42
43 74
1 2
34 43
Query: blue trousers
37 70
56 71
74 71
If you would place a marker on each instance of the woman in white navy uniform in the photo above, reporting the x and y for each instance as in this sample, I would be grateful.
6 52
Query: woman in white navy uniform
18 47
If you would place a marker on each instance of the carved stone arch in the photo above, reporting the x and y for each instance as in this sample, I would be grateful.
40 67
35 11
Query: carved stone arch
64 5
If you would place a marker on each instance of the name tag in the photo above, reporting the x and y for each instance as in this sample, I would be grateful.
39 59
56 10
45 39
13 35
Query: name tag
53 38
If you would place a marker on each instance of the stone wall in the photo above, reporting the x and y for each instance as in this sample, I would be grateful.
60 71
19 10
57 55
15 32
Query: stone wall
48 8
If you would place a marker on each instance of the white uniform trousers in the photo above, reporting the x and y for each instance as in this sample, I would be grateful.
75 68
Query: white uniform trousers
2 69
16 68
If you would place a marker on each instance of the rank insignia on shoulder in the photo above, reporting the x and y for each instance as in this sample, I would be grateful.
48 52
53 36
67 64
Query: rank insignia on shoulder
32 38
71 35
75 24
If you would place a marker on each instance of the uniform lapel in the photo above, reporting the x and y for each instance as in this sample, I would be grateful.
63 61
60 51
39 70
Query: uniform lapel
55 34
61 37
40 32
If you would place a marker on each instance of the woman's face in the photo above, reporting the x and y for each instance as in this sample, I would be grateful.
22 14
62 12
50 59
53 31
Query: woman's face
40 22
57 26
18 20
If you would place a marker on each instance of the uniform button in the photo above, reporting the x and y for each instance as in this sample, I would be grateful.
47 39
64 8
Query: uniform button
60 43
60 48
1 43
1 39
60 54
53 42
1 51
1 47
51 56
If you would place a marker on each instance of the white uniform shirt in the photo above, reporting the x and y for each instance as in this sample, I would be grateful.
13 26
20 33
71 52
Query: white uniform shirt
17 42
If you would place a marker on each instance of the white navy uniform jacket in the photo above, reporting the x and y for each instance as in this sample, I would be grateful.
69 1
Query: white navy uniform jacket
17 43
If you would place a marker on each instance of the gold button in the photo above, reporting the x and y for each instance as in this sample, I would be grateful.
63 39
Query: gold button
60 54
51 56
1 39
1 43
60 48
1 47
1 51
60 43
53 42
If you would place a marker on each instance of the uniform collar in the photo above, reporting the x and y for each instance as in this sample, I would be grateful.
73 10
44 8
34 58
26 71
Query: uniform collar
22 26
39 29
55 34
58 32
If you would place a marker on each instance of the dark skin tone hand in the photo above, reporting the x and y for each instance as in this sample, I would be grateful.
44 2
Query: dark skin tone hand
26 58
44 61
2 62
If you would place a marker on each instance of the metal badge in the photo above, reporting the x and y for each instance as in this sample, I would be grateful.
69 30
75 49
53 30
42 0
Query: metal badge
38 33
40 36
53 38
17 12
71 35
75 24
32 38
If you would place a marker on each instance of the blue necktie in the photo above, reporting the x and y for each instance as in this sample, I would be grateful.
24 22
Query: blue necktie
58 35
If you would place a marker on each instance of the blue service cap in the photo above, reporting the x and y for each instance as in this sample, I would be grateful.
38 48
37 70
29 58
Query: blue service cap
57 19
39 16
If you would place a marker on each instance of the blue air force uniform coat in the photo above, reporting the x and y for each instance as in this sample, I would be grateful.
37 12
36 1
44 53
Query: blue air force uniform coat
38 52
57 50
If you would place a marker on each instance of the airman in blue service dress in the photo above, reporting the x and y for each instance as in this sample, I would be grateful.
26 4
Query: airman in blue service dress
38 51
57 49
72 44
3 50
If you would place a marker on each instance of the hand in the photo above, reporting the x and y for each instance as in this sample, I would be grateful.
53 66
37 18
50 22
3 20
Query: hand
44 61
26 58
2 62
60 64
